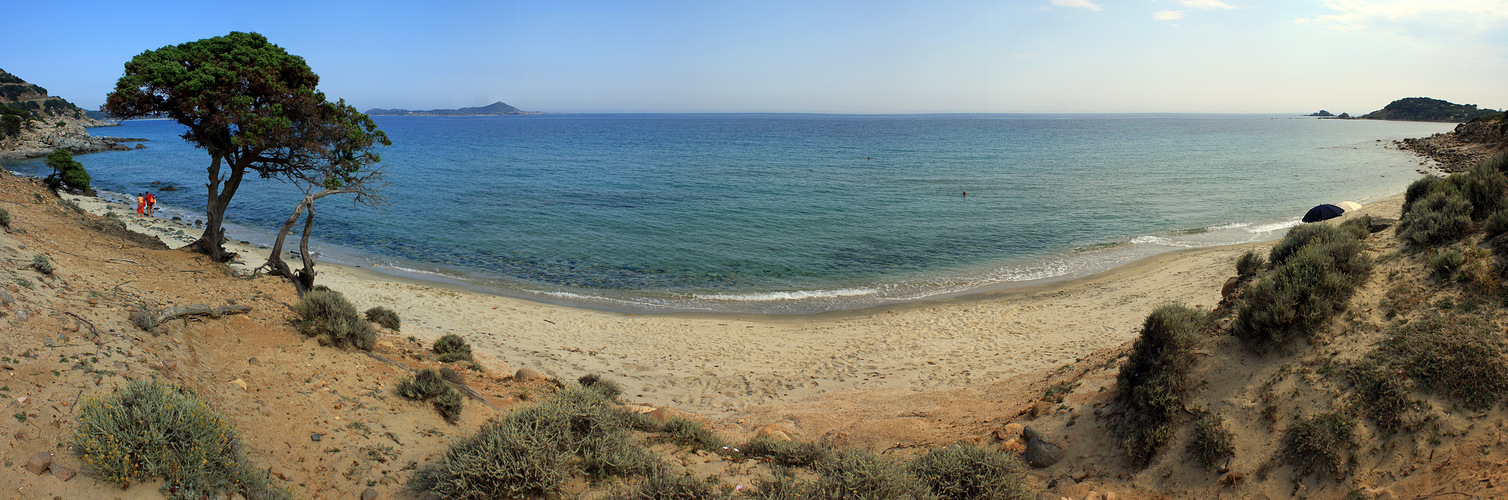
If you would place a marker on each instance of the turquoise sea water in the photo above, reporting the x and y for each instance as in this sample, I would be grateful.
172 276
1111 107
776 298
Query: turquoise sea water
798 213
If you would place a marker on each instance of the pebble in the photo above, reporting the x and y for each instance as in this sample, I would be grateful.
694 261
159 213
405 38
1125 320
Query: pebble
316 437
62 473
39 462
368 494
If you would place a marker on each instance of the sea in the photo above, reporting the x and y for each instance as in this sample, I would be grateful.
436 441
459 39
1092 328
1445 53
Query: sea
793 213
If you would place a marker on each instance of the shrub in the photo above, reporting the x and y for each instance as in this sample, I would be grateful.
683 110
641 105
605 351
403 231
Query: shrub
1248 265
1440 218
1383 395
531 451
1154 379
1459 356
1485 187
787 453
41 264
607 387
962 472
327 315
424 384
662 483
1211 444
451 375
383 316
452 347
1417 190
1309 282
1496 224
449 404
1445 262
1322 443
1359 226
66 171
690 433
5 218
861 474
151 429
144 318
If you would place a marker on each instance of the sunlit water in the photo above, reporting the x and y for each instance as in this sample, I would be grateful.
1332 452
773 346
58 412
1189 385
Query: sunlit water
797 213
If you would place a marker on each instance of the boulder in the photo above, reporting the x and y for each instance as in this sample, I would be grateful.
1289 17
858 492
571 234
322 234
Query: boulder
1040 453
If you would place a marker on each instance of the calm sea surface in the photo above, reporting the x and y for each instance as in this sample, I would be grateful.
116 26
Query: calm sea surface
796 213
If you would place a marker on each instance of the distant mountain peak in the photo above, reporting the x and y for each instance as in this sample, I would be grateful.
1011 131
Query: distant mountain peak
496 108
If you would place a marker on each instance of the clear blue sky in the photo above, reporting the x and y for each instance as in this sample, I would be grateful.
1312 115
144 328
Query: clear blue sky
1011 56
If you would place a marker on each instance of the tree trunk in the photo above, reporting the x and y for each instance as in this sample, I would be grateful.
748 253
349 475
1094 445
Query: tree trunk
275 264
306 276
212 242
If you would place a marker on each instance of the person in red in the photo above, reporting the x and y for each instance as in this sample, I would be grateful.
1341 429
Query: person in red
141 204
151 204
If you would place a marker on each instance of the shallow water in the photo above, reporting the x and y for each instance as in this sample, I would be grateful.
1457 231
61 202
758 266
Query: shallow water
798 213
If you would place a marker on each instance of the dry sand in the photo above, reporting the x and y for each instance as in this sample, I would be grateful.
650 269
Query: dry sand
716 364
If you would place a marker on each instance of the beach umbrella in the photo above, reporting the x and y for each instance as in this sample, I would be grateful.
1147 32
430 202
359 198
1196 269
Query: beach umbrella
1323 212
1348 205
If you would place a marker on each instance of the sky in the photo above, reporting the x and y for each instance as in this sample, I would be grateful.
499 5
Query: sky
812 56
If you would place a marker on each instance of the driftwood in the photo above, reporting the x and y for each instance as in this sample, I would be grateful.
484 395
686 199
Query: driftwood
200 310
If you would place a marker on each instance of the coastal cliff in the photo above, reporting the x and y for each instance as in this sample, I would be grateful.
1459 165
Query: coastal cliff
1468 144
32 123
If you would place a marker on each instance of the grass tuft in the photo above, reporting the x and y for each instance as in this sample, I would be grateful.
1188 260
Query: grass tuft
691 433
40 263
1323 443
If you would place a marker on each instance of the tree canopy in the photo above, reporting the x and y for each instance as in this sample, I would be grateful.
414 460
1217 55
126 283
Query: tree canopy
66 171
247 102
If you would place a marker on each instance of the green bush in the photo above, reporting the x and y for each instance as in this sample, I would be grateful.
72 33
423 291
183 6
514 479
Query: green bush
787 453
1359 226
41 264
606 387
1322 443
1459 356
451 375
424 384
531 451
690 433
861 474
964 472
1383 395
383 316
1442 217
452 347
449 404
1248 265
662 483
1485 187
156 429
1153 381
1314 275
1417 190
1446 262
5 218
1211 445
328 316
1496 224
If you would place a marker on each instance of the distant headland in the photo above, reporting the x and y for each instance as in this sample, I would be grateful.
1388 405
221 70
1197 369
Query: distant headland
1419 109
496 108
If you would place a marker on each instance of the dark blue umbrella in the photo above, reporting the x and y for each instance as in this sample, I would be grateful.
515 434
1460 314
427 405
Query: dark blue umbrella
1323 212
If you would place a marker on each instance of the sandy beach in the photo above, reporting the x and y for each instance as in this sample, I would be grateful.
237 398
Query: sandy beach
716 364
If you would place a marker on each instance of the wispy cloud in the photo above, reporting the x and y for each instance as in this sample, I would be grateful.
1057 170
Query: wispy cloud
1206 5
1078 4
1357 15
1169 15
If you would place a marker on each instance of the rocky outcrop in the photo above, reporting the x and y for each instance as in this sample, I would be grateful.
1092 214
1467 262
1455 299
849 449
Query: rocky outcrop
1464 147
32 123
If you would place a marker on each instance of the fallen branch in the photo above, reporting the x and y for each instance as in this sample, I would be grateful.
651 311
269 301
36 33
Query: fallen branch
200 310
86 322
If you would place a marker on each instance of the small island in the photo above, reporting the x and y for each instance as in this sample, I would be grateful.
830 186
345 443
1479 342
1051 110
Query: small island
494 109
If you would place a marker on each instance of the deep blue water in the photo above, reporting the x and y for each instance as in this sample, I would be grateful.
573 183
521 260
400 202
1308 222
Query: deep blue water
798 213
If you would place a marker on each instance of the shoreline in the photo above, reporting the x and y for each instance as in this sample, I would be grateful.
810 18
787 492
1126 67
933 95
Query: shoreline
715 364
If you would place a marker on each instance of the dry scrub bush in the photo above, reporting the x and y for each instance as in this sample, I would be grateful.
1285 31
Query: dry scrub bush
452 347
690 433
40 263
1324 443
663 483
1212 443
1154 380
424 384
328 316
385 317
1459 356
152 428
965 471
5 219
787 453
1384 396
